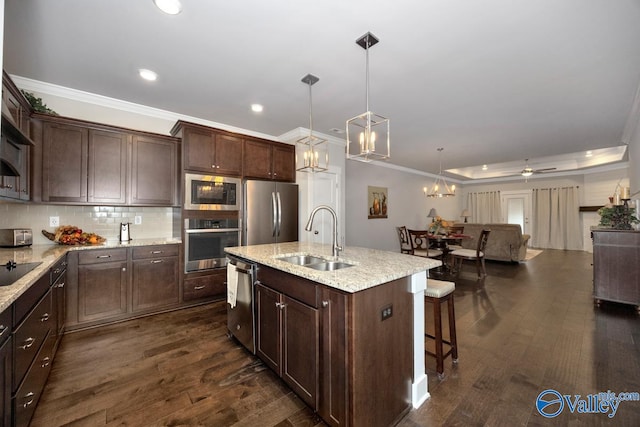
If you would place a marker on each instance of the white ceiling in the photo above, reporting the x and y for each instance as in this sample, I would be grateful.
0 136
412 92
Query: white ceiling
491 81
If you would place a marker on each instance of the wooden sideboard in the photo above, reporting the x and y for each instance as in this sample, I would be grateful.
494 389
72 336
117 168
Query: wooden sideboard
616 266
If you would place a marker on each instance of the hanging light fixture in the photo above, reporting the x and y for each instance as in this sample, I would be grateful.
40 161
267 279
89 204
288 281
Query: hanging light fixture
440 187
368 133
313 153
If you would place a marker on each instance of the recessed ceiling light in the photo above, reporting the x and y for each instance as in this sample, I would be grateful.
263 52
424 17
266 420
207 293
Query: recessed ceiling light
256 108
149 75
589 154
171 7
484 167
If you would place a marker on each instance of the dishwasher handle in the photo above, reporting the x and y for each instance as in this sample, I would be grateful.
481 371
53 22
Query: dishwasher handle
244 268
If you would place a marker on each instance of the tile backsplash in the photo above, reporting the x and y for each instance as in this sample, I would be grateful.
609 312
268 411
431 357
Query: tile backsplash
157 222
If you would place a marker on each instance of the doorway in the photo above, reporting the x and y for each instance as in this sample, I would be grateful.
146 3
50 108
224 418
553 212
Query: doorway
516 209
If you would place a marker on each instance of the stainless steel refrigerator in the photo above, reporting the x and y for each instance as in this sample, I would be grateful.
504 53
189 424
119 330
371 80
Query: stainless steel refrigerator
270 211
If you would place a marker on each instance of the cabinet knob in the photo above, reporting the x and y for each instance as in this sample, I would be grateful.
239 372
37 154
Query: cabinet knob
45 362
44 317
325 303
103 256
156 261
155 252
197 288
60 285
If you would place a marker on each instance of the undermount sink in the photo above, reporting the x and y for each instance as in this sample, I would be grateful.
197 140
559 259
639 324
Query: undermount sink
329 265
315 262
302 259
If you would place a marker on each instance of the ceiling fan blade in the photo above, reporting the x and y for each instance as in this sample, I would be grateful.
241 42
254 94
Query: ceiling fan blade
543 170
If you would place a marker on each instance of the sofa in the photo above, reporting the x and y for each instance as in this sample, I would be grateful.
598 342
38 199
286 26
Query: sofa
506 241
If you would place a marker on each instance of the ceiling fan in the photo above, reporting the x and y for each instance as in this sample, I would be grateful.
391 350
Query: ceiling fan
528 171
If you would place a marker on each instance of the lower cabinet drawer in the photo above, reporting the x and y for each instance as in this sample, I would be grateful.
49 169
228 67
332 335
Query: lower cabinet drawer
27 397
205 286
29 337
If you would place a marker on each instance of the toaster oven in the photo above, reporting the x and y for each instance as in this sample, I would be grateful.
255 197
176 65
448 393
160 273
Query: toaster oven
15 237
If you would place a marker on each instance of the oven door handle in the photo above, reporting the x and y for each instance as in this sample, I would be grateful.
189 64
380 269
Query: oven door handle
210 230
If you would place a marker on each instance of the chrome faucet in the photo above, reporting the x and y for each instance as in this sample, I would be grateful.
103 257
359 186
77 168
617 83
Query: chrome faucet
336 248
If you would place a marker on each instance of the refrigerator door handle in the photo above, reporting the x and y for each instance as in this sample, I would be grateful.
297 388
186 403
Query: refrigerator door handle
279 213
274 214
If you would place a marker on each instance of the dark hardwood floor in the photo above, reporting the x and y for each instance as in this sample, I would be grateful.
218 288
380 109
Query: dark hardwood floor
525 328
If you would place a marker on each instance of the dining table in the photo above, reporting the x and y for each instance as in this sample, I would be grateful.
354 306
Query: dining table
444 243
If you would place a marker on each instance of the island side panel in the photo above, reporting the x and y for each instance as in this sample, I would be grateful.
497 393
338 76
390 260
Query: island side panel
381 355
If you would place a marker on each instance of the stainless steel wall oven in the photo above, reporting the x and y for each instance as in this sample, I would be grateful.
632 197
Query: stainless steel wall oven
205 240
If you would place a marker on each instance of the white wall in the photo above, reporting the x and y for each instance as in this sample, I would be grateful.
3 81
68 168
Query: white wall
407 204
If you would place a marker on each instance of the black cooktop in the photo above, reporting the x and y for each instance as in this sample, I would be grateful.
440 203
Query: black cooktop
11 272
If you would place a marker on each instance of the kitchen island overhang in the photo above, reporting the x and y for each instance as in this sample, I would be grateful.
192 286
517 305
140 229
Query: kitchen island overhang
369 269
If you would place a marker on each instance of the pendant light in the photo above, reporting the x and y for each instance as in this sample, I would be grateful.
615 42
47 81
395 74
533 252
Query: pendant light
440 187
368 133
313 152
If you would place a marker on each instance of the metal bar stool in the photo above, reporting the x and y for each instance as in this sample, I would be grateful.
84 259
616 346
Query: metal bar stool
437 292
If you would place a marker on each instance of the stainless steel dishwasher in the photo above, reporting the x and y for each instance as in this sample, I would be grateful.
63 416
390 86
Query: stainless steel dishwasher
240 315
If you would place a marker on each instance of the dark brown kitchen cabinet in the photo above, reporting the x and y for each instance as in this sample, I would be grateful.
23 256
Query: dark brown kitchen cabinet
58 279
6 367
209 151
107 167
102 284
65 151
210 284
154 171
88 163
15 144
269 160
287 332
334 385
155 277
33 315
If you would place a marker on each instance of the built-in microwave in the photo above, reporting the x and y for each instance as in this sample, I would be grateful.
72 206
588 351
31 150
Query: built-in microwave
207 192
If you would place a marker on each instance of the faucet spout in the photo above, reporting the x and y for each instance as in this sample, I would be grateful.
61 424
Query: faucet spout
336 248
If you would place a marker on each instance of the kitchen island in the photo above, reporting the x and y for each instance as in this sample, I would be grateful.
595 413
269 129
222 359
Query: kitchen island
349 342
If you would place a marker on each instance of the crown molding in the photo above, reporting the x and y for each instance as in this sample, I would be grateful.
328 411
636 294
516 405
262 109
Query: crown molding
130 107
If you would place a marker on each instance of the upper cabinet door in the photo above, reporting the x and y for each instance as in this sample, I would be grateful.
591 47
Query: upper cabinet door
212 153
269 160
284 162
228 155
64 163
107 169
257 159
154 171
199 146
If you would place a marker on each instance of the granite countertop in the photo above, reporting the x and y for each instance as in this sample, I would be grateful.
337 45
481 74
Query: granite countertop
48 255
371 267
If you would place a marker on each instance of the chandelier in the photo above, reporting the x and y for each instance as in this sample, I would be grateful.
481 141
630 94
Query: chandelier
315 153
440 187
368 133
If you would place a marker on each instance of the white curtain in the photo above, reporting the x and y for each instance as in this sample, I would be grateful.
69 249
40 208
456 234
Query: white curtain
556 218
484 207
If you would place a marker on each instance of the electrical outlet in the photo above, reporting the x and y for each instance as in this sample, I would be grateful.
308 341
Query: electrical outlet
387 312
137 220
54 221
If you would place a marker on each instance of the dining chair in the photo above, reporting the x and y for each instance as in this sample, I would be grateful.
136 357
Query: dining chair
477 255
403 238
420 244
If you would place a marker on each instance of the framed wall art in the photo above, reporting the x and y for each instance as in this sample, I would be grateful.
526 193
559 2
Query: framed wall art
378 199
